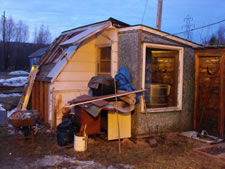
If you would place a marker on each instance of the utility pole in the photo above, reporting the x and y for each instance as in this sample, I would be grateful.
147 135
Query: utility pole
3 41
159 14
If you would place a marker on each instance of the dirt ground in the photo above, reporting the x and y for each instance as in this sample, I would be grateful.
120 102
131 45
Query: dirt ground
173 152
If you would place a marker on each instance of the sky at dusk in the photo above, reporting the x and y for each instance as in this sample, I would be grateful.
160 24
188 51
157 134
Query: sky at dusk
67 14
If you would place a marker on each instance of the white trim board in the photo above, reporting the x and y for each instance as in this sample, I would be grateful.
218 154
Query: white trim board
180 76
160 34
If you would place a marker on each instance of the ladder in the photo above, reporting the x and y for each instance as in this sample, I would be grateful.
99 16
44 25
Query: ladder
22 105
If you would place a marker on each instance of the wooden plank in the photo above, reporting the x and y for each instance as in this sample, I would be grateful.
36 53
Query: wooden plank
196 90
221 114
37 96
33 97
29 86
42 100
107 97
46 85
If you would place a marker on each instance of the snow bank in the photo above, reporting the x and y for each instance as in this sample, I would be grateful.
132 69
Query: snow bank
10 95
18 72
16 81
1 108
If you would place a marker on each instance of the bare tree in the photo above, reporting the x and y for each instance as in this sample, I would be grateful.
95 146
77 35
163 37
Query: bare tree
215 38
8 34
9 29
221 35
21 32
42 36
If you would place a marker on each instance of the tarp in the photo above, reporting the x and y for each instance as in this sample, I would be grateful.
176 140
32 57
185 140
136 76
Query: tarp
123 80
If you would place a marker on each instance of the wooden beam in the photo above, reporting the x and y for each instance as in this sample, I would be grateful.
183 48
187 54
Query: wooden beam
42 100
37 91
196 90
46 102
106 97
221 114
33 97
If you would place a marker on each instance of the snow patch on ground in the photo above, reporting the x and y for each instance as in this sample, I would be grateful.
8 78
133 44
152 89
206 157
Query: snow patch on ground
18 72
10 95
71 163
16 81
1 108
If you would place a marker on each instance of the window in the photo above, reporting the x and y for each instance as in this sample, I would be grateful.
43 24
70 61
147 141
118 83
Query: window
104 61
162 70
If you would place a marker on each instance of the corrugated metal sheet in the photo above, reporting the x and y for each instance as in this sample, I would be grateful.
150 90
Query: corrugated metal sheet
84 34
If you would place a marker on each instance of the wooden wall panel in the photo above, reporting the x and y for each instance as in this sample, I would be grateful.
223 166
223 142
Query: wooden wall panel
46 85
42 100
37 100
209 91
33 97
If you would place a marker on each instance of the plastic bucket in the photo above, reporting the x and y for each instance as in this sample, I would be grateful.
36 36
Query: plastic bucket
80 143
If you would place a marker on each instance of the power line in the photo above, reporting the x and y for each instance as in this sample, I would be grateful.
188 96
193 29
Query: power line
205 26
174 34
146 4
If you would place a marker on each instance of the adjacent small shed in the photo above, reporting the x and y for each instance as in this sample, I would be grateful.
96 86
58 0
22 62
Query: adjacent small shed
35 57
165 65
209 112
157 61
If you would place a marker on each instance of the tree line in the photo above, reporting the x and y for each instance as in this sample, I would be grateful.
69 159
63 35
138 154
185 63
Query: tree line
14 43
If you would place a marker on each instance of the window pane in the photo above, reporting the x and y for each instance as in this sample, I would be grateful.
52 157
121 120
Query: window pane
104 61
161 76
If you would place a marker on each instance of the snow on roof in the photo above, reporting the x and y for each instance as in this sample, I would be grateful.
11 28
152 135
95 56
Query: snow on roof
16 81
18 72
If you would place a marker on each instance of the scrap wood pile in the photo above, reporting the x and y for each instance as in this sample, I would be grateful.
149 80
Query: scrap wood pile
85 110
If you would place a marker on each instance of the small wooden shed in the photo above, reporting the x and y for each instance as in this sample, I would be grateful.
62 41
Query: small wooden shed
210 90
71 61
157 61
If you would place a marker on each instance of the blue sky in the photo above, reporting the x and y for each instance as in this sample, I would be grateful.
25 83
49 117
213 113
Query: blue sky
61 15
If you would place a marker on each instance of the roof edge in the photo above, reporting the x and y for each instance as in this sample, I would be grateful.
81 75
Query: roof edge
160 34
114 22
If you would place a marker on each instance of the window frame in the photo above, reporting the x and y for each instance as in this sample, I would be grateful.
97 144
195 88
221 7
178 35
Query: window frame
179 80
97 60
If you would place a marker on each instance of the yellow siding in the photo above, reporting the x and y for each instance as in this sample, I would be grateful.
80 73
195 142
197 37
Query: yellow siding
62 98
66 76
73 79
80 68
73 66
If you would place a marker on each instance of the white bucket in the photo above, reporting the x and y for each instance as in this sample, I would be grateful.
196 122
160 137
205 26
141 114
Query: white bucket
80 143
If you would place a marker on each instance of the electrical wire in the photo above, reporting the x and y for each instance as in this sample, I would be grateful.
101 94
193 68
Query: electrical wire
144 11
201 27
